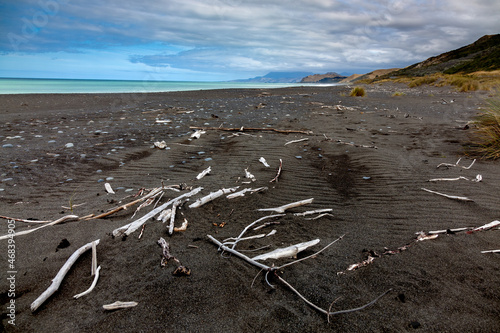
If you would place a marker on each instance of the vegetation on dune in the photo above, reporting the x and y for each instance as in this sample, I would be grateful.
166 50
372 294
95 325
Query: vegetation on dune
357 92
486 137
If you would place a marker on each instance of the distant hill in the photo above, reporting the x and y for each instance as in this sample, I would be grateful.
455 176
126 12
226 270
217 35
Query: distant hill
482 55
278 77
330 77
368 76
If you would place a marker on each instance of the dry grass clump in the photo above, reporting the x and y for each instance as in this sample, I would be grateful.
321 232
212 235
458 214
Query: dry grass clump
486 137
398 93
463 82
358 92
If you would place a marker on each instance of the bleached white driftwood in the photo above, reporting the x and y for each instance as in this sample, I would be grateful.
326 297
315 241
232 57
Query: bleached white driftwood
456 164
56 282
212 196
119 305
454 197
172 216
133 226
487 226
283 208
108 188
92 286
422 236
271 269
447 230
491 251
318 217
254 223
93 267
197 134
165 215
25 232
263 161
286 252
246 190
476 180
233 240
295 141
249 175
160 145
310 212
204 173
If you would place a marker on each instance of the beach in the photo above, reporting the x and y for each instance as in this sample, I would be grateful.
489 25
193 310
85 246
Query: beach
365 158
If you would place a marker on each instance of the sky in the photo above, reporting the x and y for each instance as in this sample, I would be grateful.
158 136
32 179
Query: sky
219 40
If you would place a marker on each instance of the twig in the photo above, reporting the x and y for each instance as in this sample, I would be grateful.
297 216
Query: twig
283 208
204 173
318 217
242 192
278 173
92 286
253 129
476 180
491 251
56 282
172 217
310 212
254 223
448 196
295 141
290 251
449 230
456 164
265 225
25 232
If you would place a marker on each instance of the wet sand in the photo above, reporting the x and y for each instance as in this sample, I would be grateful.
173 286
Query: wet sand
367 159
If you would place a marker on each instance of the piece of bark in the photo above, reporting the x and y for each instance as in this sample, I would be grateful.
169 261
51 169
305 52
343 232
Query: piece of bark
56 282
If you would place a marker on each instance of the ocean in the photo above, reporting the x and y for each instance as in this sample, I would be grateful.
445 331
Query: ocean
57 86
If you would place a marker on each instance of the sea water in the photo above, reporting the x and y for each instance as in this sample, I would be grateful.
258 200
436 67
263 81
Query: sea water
57 86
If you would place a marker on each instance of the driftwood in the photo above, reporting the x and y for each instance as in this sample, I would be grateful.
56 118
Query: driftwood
274 270
133 226
310 212
25 232
491 251
204 173
251 129
119 305
108 188
476 180
172 216
249 175
283 208
92 286
252 224
456 164
278 173
246 190
295 141
454 197
485 227
183 227
287 252
212 196
166 256
448 231
263 161
56 282
153 193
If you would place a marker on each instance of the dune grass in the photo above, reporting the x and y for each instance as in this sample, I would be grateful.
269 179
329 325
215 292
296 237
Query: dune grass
486 137
358 92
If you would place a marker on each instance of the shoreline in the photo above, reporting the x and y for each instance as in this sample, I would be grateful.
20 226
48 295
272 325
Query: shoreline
367 159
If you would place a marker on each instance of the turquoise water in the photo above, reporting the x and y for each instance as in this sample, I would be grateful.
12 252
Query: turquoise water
54 86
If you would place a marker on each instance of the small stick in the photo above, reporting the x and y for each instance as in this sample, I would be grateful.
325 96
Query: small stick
93 268
275 179
56 282
290 251
25 232
92 286
448 230
310 212
476 180
204 173
295 141
283 208
448 196
241 129
172 217
485 227
265 225
456 164
319 216
119 305
491 251
242 192
142 231
254 223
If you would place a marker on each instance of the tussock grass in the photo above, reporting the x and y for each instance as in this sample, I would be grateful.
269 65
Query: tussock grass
358 92
486 137
398 93
463 82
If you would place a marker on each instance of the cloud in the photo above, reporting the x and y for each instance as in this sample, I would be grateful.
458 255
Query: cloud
236 36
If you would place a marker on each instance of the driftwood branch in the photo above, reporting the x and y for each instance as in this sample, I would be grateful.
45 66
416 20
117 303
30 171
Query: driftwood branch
278 173
283 208
56 282
456 164
212 196
119 305
286 252
454 197
295 141
251 129
254 223
25 232
92 286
